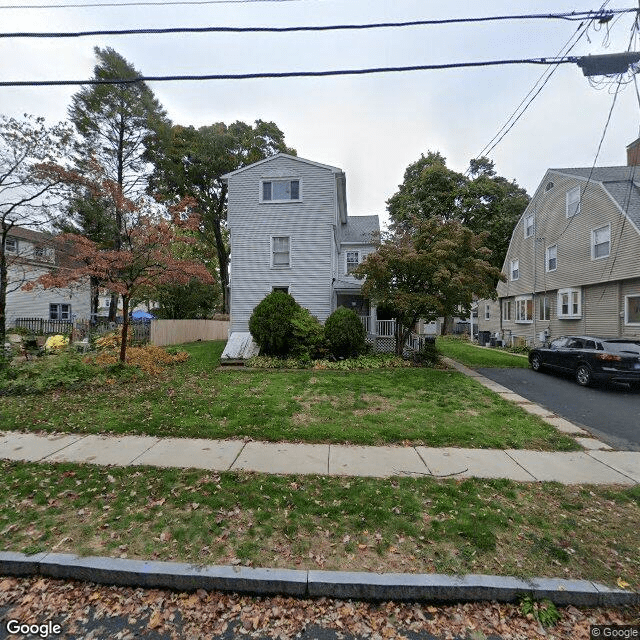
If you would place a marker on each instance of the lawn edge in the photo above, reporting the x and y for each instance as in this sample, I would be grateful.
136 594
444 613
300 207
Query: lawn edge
311 583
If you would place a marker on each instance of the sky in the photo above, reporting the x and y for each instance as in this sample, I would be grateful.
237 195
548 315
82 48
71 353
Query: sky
370 126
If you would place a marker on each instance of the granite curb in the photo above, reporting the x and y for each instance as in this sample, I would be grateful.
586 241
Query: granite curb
307 584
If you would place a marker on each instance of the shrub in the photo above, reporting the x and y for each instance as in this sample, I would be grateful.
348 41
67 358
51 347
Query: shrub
270 323
428 355
281 327
345 334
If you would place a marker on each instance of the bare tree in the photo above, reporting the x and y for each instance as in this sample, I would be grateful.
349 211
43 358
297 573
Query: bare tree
30 174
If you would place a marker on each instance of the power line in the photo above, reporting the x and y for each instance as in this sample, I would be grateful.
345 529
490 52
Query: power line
136 4
285 74
534 91
602 16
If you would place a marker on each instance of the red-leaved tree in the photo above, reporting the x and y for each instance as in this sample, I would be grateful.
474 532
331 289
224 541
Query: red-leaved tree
146 258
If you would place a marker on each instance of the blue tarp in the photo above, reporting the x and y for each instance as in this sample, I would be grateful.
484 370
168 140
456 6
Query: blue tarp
142 315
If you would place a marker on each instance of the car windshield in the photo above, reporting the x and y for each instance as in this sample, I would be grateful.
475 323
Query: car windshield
623 347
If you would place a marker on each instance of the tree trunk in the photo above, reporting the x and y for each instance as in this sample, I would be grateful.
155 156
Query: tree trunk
4 282
113 307
221 250
125 328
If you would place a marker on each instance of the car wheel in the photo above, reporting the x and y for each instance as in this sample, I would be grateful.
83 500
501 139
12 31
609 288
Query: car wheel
536 362
583 375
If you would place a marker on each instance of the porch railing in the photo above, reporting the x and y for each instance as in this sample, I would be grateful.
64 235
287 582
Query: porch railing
384 328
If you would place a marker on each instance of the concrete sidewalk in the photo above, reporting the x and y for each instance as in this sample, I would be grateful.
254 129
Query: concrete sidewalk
582 467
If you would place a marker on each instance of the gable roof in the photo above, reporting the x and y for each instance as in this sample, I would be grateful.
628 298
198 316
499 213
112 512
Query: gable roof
226 176
621 183
359 229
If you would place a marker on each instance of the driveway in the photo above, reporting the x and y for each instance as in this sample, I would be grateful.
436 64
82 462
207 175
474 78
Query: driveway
610 412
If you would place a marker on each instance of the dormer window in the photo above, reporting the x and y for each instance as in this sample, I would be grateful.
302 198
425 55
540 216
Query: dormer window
353 260
280 190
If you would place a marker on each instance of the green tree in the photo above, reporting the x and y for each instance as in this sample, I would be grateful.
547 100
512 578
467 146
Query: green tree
481 200
427 271
190 162
190 301
116 124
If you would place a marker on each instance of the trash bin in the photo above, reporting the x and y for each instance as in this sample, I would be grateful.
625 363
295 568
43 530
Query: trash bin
492 342
484 337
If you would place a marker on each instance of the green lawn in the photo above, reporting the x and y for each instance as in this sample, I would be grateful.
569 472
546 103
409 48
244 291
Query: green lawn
193 399
474 356
398 524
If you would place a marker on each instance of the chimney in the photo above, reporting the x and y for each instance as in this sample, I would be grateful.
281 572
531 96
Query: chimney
633 153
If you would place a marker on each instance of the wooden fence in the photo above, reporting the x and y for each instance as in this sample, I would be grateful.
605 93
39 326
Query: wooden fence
166 332
44 327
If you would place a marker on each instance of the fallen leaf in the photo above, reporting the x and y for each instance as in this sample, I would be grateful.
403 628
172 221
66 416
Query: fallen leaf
622 584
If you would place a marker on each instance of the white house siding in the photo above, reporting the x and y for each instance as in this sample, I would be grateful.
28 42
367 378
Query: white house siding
35 303
309 223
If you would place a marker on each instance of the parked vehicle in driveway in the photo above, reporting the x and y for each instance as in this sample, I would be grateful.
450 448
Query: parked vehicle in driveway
591 359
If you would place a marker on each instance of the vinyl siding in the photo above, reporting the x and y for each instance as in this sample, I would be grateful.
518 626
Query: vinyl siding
35 303
364 250
601 281
629 288
575 266
309 224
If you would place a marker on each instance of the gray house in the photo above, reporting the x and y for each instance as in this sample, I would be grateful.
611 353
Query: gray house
30 254
573 264
289 230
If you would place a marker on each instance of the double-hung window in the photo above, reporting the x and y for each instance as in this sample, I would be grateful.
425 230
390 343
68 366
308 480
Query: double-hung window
569 304
11 245
280 251
528 225
353 260
506 309
59 311
552 258
573 202
632 309
280 190
515 269
601 242
545 308
487 311
524 309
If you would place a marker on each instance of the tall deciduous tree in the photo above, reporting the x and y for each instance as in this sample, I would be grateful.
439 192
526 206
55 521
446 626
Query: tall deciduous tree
481 200
427 271
27 148
115 123
190 163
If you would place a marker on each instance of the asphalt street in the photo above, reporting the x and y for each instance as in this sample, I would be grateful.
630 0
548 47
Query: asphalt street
611 412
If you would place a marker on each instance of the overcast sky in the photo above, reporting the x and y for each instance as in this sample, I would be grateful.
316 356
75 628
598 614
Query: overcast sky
370 126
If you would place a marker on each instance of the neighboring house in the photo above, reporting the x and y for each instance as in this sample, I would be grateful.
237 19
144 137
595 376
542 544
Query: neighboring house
289 230
31 254
573 264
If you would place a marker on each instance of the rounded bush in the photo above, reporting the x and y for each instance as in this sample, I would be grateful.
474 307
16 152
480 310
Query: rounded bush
345 334
271 323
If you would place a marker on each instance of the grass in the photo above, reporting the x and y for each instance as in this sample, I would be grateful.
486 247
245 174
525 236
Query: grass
474 356
401 524
193 399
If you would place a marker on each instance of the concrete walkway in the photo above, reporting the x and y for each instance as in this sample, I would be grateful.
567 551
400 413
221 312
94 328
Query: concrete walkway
595 467
598 464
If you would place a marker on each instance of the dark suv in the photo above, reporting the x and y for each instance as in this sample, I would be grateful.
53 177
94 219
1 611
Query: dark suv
589 358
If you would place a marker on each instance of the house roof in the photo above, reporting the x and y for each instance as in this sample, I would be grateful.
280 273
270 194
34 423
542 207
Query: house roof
281 155
23 233
360 229
621 183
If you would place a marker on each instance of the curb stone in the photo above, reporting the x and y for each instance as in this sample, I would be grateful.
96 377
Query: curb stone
299 583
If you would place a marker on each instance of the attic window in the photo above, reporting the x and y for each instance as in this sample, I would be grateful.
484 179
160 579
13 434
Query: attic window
573 202
549 186
280 190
